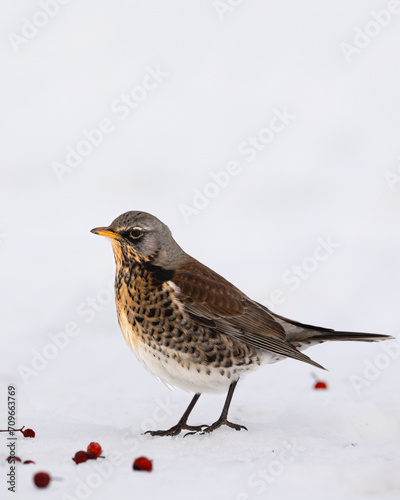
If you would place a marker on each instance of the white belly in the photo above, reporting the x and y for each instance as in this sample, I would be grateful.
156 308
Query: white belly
180 372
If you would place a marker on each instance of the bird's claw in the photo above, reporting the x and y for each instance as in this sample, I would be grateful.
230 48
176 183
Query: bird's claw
216 425
177 429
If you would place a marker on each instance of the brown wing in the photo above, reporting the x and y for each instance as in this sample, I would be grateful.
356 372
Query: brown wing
199 284
214 302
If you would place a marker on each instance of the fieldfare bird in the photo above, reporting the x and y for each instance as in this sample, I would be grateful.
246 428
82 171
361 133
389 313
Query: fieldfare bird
189 326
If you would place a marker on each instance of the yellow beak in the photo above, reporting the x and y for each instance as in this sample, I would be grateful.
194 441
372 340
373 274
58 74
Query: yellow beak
105 231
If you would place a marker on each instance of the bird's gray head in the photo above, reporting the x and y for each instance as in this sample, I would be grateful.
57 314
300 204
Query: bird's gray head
140 237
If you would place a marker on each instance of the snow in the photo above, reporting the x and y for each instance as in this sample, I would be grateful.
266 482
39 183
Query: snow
329 172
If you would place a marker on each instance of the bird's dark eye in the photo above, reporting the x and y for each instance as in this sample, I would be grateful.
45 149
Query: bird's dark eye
136 233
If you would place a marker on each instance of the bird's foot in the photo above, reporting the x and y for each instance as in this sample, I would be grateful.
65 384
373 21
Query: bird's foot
177 429
216 425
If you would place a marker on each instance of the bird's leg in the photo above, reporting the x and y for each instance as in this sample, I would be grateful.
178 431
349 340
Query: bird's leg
182 424
223 419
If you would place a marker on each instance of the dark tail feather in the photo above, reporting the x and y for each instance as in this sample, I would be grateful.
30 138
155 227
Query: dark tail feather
324 336
301 333
313 337
301 336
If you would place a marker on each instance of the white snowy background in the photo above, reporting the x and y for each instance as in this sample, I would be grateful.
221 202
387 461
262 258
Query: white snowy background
332 173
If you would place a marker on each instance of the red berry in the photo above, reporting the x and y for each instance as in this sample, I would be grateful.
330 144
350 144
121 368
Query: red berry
94 450
320 385
41 479
80 457
28 433
15 459
143 463
29 462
